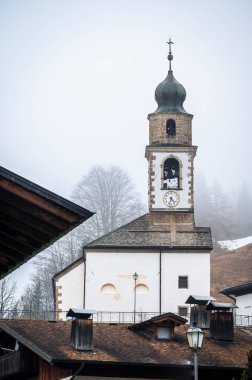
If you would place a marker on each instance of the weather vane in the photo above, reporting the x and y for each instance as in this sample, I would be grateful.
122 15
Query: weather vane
170 56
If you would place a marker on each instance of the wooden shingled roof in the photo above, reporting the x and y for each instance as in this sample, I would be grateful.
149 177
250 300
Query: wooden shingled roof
157 230
31 219
118 344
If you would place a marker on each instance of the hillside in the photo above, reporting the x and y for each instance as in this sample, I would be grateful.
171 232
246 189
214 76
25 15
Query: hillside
230 267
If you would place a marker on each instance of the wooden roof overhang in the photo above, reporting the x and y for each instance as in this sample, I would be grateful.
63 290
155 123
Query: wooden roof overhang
160 320
238 290
31 219
199 300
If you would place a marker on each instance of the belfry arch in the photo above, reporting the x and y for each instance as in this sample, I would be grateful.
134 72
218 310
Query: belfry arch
171 172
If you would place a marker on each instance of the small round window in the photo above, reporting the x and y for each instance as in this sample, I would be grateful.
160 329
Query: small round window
171 127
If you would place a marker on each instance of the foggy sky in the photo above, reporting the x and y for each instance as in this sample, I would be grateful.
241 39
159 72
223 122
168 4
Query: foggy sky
78 80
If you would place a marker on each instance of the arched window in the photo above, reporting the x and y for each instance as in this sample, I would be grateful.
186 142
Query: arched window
108 289
171 127
171 173
142 289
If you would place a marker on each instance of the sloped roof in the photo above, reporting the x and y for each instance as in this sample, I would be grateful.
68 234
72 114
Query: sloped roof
71 266
159 320
80 313
155 230
118 344
239 290
199 300
220 306
31 219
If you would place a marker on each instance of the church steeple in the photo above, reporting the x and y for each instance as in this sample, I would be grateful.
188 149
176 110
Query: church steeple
170 94
170 152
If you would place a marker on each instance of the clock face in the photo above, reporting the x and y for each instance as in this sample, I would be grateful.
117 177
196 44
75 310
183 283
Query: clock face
171 198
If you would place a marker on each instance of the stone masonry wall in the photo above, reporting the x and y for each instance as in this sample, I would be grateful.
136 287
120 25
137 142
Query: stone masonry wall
157 129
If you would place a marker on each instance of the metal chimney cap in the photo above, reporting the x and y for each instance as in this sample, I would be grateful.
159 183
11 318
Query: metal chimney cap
80 313
220 306
199 300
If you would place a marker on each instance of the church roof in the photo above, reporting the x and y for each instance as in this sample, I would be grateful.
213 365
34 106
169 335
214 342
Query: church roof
157 230
170 94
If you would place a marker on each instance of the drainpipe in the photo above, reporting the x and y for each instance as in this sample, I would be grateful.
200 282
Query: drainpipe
85 270
160 282
78 371
232 298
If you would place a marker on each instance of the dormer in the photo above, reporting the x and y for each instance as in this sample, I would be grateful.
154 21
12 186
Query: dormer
159 328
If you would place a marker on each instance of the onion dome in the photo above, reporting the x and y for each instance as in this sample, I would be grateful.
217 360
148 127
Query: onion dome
170 94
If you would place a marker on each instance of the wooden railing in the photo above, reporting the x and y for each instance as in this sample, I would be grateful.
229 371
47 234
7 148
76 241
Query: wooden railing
10 364
103 316
17 362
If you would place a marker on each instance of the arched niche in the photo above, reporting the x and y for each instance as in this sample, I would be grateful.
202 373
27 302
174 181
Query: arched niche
142 289
108 289
171 173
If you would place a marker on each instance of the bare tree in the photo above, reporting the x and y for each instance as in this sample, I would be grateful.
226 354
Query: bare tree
8 302
111 195
108 192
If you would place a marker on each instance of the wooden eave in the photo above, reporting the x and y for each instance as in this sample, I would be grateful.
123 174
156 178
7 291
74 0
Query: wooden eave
31 219
159 320
238 290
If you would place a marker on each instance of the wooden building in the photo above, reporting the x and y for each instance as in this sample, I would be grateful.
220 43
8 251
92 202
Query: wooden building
31 219
42 350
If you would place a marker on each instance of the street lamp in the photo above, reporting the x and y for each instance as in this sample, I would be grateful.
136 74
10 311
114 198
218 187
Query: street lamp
195 340
135 277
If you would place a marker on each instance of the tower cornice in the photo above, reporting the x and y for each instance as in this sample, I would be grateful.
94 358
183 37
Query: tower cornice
169 149
168 114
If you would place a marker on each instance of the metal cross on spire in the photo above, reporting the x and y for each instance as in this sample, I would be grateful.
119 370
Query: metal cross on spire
170 56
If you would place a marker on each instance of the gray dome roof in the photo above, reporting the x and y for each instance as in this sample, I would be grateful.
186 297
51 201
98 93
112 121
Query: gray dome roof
170 95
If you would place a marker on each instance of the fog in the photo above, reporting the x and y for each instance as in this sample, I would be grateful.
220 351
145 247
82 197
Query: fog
78 80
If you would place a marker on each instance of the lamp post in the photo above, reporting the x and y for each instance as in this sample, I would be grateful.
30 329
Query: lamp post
135 277
195 340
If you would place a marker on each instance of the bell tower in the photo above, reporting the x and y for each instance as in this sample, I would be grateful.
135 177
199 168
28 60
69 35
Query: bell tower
170 152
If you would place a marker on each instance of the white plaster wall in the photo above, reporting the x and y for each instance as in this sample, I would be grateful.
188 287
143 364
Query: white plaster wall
194 265
118 268
72 288
244 304
183 194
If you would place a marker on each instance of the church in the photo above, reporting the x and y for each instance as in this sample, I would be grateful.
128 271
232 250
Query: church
154 263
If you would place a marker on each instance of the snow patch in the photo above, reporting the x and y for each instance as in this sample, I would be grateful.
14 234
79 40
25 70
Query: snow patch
229 245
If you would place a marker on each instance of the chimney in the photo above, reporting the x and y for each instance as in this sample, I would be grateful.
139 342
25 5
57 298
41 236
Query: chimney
221 321
82 329
198 312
